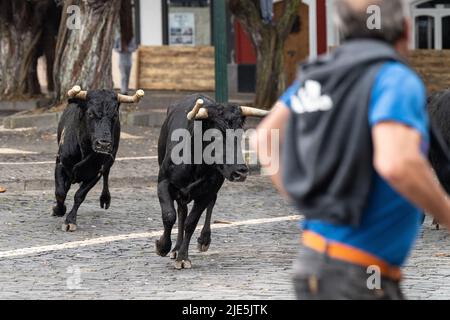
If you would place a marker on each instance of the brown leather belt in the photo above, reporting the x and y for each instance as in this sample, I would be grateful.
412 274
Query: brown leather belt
349 254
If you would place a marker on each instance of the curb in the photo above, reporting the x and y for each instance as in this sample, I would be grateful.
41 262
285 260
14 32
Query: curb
154 118
20 105
28 121
143 119
129 182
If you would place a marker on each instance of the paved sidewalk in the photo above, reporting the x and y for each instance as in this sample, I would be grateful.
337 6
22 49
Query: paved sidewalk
252 261
248 261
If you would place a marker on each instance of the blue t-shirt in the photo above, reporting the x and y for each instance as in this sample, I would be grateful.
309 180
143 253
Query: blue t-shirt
390 223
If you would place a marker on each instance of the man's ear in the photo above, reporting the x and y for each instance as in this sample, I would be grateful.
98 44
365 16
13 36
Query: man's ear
408 23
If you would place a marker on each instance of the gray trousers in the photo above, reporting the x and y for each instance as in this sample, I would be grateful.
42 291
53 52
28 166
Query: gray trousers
318 277
125 62
266 10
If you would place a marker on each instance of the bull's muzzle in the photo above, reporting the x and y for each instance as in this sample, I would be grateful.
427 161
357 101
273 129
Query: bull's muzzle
103 146
240 174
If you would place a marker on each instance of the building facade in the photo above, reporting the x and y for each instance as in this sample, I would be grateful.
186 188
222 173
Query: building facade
189 23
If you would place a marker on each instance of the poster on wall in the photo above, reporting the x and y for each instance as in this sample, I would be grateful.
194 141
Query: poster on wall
182 29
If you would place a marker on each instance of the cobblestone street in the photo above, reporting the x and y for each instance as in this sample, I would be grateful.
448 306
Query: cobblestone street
255 236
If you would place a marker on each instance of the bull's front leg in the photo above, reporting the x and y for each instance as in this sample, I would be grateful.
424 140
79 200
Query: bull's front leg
190 225
182 213
70 223
62 186
205 236
105 197
79 166
166 201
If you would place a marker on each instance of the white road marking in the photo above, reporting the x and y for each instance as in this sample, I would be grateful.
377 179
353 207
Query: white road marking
15 151
3 129
127 136
53 162
123 135
131 236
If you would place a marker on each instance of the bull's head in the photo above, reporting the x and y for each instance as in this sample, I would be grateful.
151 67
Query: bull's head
227 118
100 109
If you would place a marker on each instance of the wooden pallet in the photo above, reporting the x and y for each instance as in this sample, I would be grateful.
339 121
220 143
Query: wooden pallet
176 68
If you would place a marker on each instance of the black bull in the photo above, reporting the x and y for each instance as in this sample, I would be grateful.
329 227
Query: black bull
185 182
88 140
439 111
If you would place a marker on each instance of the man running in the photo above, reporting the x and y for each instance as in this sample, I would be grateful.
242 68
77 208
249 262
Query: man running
355 139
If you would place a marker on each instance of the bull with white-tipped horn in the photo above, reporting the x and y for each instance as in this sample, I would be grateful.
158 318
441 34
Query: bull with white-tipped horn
197 181
88 140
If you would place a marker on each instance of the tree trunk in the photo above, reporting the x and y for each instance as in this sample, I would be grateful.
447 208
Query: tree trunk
83 56
268 41
270 76
20 31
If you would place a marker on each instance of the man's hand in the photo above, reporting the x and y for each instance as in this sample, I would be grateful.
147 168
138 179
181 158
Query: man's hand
399 160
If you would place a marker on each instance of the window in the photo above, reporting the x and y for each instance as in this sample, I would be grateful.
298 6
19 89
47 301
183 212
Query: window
446 32
425 32
431 24
434 4
189 22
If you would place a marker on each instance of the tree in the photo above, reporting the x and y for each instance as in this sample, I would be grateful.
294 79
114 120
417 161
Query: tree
268 41
25 34
84 45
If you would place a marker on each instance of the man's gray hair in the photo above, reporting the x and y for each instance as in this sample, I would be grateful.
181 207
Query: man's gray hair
352 20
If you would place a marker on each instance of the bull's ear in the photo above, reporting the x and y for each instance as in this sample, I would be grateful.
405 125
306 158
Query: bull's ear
80 103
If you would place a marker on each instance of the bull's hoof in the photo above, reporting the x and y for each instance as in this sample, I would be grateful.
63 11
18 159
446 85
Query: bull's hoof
71 227
436 223
105 201
57 212
162 250
183 264
173 254
203 243
202 247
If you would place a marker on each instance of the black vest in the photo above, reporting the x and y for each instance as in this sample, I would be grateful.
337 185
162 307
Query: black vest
328 154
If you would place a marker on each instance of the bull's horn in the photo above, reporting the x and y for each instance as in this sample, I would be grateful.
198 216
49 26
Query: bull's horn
198 112
253 112
131 99
76 92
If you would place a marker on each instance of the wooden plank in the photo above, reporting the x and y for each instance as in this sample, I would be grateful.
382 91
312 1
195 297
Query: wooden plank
171 60
194 86
181 73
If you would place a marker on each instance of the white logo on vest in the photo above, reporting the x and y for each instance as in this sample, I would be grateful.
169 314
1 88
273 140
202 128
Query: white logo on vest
310 99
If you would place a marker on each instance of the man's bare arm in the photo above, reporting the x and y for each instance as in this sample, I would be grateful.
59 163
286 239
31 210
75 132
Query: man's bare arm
399 160
276 120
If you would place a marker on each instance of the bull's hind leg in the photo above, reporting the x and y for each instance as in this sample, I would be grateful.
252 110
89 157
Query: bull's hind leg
62 186
169 217
182 213
436 223
70 223
190 225
204 240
